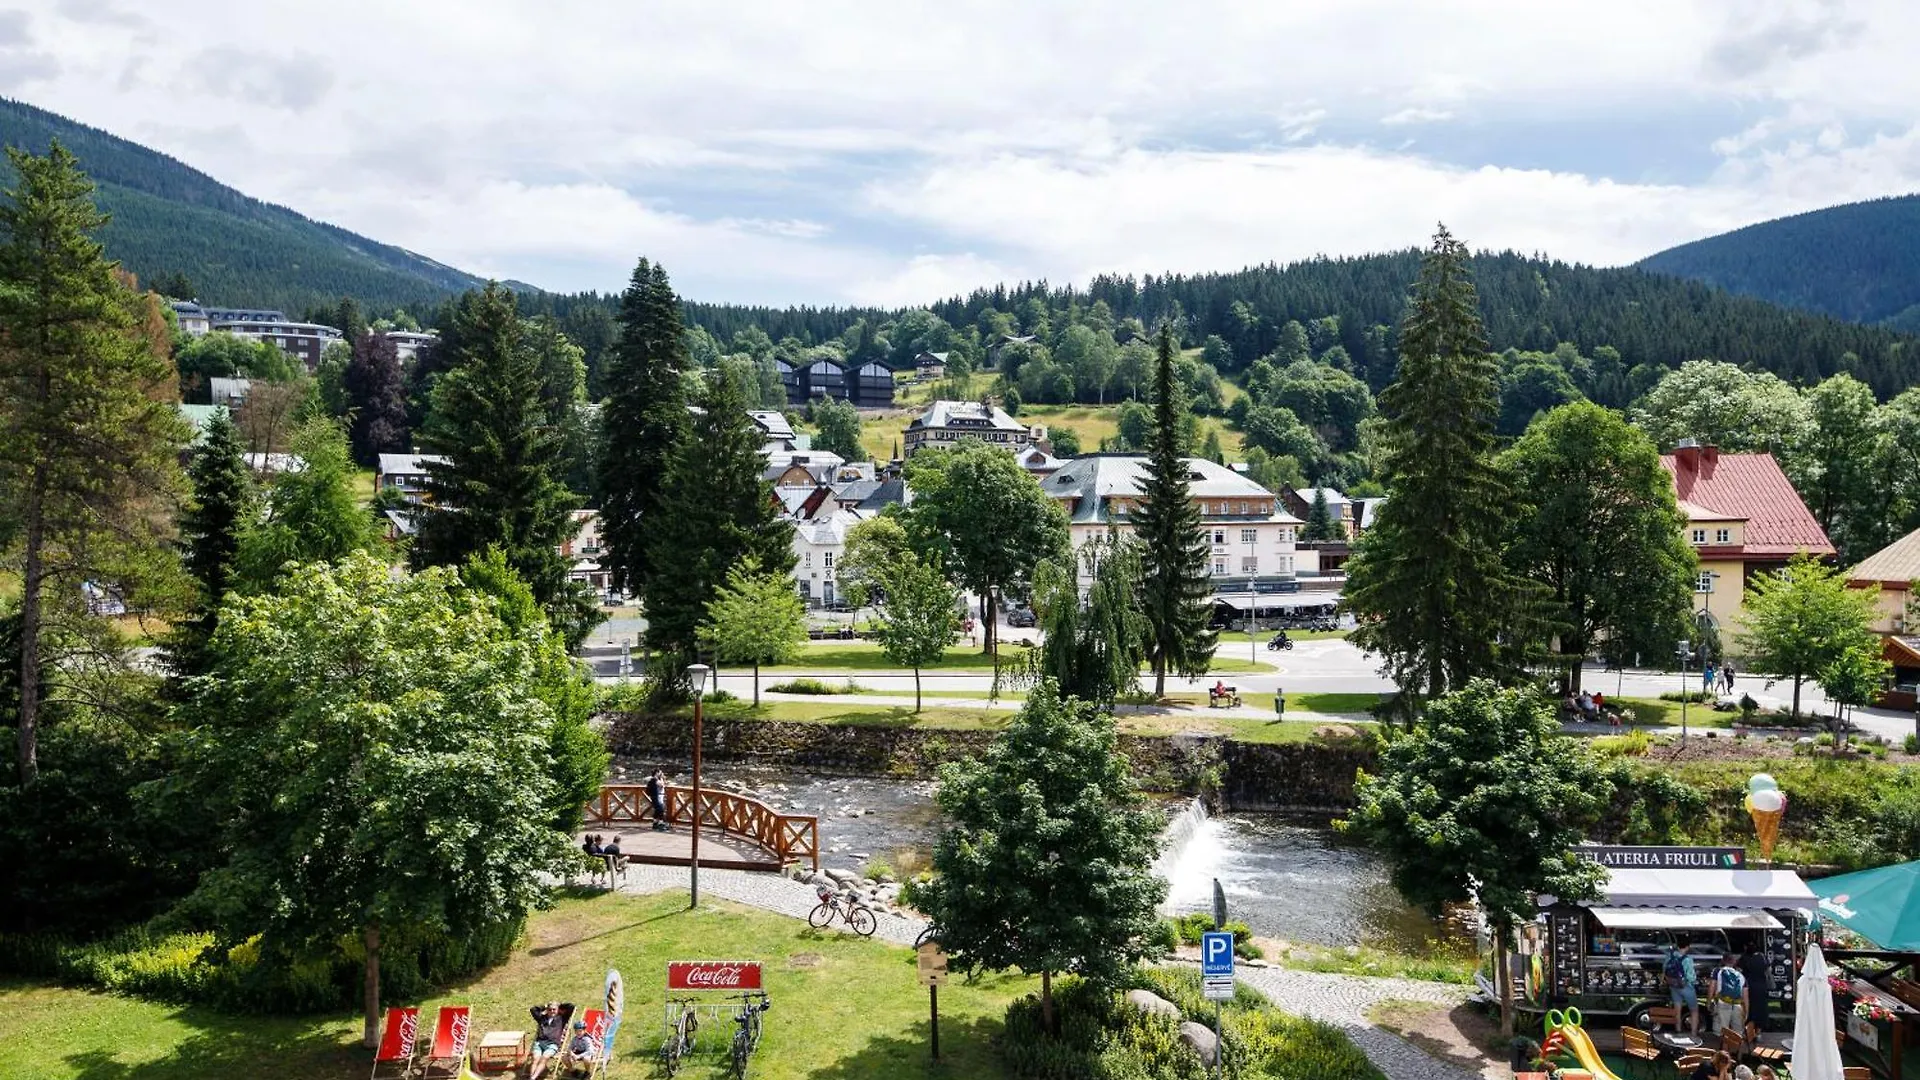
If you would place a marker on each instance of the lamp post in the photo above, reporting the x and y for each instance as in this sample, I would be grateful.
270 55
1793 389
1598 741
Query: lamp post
697 675
1685 652
1253 601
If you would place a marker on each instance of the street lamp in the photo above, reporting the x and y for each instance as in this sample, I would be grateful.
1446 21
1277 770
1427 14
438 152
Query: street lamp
1685 652
1253 600
697 675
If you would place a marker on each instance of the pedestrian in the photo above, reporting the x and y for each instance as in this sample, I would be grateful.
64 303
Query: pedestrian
1706 678
1759 972
657 795
1726 675
1729 994
1682 985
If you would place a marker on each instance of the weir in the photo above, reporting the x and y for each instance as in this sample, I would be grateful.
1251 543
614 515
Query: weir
1189 851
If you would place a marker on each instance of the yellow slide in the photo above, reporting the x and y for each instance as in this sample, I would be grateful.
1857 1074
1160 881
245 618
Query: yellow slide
1575 1041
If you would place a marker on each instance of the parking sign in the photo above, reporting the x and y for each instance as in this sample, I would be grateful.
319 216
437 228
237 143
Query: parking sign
1216 965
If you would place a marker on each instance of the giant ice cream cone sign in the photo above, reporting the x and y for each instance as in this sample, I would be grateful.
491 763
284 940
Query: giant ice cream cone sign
1767 805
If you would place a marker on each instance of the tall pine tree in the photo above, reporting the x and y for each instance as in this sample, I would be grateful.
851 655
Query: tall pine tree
500 483
1320 519
1174 585
642 423
210 528
1434 597
377 395
714 511
88 429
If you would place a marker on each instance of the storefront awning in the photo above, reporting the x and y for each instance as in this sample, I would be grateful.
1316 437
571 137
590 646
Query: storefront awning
1661 918
1273 601
1747 889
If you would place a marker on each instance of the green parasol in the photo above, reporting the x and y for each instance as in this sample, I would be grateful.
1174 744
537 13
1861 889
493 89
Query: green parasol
1881 905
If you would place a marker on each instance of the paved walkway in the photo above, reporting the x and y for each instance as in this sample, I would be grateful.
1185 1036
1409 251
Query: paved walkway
1343 1001
770 892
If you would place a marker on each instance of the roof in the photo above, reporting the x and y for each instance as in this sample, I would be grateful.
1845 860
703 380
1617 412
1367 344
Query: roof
403 523
220 387
827 528
409 464
966 416
1752 488
1647 887
1037 460
1695 512
1334 498
1095 478
200 416
240 313
263 326
773 423
1368 508
855 491
1897 564
189 309
891 492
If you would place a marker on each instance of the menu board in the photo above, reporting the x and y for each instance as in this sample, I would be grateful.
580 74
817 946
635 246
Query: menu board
1780 961
1569 946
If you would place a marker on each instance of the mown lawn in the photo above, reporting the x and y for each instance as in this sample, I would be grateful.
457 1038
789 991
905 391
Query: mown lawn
843 1008
857 656
1186 717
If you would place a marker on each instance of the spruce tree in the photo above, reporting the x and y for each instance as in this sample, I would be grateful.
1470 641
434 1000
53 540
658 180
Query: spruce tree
1174 583
1434 598
376 390
89 435
642 424
714 512
210 528
1320 519
500 483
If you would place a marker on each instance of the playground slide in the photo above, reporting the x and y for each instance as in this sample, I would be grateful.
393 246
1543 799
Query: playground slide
1573 1040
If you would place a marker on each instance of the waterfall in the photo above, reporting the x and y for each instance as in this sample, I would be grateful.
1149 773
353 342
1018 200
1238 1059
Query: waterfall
1190 850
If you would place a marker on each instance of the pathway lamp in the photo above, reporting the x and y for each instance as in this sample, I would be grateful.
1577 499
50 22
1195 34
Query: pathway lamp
1685 652
697 676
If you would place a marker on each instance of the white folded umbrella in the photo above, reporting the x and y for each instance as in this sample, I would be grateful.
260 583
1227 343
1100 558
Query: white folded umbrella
1816 1056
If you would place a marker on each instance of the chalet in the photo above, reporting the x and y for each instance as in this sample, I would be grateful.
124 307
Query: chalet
1895 569
1743 518
406 474
931 365
943 423
1036 460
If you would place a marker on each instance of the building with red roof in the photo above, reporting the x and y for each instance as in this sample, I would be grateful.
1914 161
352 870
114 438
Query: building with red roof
1743 518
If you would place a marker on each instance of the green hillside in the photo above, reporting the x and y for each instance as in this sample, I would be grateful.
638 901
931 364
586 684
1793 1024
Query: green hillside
1860 261
169 218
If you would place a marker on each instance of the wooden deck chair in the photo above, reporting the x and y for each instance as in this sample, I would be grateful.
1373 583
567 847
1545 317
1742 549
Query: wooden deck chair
447 1056
595 1064
394 1058
1856 1072
1637 1046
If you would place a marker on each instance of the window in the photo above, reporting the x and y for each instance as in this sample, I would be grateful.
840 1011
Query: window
806 559
1219 566
1219 536
1249 565
1243 509
1723 536
1704 583
1247 536
827 560
1699 536
1286 564
1286 536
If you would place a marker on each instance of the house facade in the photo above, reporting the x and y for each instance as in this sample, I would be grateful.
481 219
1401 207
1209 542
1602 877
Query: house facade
867 386
1251 536
943 423
1895 570
304 340
584 552
406 474
1743 518
1345 511
409 344
191 317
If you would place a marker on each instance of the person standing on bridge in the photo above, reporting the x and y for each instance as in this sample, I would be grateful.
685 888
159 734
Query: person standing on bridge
657 795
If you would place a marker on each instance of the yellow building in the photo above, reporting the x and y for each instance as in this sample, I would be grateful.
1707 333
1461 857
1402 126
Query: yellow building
1743 518
1894 569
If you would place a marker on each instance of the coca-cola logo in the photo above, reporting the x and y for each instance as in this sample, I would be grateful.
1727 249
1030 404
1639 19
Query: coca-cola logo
713 975
457 1033
409 1030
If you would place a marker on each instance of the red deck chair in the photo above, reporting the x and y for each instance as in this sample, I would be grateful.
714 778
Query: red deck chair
394 1059
596 1021
447 1057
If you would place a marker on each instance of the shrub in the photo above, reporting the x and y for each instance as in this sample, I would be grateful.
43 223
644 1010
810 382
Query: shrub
718 697
1825 738
1166 936
1911 744
1691 697
803 686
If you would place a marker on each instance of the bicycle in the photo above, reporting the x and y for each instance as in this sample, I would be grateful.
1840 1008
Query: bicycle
848 907
747 1035
679 1041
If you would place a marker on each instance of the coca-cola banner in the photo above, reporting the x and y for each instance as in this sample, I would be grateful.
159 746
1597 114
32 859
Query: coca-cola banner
713 975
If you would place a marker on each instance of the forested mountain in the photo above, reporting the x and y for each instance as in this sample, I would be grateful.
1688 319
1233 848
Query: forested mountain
1860 261
170 219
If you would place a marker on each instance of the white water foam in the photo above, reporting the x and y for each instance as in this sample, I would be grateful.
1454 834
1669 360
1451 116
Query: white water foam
1191 851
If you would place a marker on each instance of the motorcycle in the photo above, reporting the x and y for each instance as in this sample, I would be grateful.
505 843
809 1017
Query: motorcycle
1280 641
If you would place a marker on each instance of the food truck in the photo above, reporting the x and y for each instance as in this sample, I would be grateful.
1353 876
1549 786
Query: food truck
1606 957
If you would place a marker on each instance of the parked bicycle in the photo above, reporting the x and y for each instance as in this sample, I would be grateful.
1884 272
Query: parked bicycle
845 906
679 1041
746 1033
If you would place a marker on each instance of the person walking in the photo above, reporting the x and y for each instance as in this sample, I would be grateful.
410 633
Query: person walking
1706 678
657 795
1683 986
1759 972
1726 675
1729 995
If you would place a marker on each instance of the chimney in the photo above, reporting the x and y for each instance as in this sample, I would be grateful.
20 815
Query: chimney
1687 454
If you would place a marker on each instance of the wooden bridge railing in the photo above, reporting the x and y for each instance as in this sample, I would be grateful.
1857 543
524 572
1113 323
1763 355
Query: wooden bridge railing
787 836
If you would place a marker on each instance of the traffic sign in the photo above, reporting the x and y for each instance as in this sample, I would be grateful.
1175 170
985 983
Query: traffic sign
1216 965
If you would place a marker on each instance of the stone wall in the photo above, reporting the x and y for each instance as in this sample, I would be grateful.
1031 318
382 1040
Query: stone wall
1243 776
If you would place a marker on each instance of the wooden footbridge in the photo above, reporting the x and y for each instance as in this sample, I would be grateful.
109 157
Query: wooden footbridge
736 832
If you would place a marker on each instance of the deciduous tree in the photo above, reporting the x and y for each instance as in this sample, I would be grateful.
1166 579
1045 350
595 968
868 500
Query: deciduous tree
1046 861
1721 405
311 514
917 621
872 547
1174 583
1802 619
376 392
1092 651
755 618
839 424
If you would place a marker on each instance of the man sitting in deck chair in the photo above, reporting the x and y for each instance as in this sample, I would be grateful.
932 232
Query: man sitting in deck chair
549 1034
587 1052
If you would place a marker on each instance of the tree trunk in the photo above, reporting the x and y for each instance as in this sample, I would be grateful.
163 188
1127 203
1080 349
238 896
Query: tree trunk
372 988
1159 675
916 690
31 580
756 684
988 611
1505 966
1046 1001
1796 697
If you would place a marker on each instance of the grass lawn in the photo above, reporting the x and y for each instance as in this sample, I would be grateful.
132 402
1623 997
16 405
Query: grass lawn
1654 712
867 656
1191 717
844 1008
363 486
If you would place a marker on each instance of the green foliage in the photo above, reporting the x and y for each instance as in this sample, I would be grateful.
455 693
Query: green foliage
917 622
1320 525
1066 442
1091 651
813 686
311 515
643 423
221 508
1722 405
1596 525
1175 590
1045 864
755 618
839 424
872 547
1326 399
1804 619
1483 798
1434 598
375 393
985 517
1095 1037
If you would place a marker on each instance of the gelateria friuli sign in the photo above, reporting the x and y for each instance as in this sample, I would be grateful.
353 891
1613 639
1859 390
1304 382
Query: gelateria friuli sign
1664 858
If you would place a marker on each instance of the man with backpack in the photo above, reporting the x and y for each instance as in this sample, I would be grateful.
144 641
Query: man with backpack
1682 988
1729 994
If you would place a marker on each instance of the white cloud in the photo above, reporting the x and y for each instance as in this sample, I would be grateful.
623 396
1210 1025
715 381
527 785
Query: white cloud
1416 114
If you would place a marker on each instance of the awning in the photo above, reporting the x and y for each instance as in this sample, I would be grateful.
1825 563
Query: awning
1684 919
1748 889
1274 601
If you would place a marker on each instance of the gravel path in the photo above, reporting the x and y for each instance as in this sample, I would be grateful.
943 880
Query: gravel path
767 891
1343 1000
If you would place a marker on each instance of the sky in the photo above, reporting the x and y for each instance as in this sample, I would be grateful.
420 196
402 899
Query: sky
897 152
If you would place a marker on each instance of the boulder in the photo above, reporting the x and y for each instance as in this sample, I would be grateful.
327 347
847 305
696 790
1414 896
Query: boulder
1153 1004
1201 1038
843 877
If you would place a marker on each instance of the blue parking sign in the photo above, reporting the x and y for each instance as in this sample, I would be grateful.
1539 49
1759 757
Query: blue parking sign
1216 954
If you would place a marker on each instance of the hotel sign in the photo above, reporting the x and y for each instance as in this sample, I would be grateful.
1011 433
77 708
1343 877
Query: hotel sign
1665 858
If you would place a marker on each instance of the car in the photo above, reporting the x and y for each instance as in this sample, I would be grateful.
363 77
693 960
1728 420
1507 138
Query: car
1022 617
